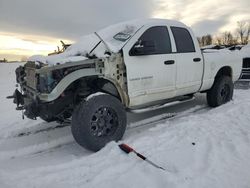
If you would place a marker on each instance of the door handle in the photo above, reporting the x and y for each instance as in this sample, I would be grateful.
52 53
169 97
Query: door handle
169 62
197 59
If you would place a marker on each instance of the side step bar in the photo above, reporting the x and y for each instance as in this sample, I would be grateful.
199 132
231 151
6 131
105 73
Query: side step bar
156 107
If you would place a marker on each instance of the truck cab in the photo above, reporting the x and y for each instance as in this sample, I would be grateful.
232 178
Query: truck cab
163 60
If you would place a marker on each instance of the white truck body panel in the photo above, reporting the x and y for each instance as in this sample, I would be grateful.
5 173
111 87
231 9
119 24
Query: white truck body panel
189 73
214 61
149 79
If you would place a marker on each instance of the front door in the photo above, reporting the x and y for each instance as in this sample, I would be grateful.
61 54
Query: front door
151 72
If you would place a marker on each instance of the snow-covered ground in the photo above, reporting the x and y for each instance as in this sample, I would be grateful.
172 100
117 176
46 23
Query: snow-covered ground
200 147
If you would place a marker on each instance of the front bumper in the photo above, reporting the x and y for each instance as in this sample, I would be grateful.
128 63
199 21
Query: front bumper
29 105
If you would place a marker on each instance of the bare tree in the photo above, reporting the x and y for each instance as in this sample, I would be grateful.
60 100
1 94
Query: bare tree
248 32
199 40
4 60
209 39
241 30
227 38
242 36
218 40
205 40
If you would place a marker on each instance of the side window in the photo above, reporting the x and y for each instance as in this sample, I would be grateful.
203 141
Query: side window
160 37
183 40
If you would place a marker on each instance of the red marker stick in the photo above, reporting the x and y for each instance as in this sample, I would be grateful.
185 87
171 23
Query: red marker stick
127 149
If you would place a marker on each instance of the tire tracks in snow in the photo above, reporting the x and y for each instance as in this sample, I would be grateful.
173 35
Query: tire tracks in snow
38 140
34 143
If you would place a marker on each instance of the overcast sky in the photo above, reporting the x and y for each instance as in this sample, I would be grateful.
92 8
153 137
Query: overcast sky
44 22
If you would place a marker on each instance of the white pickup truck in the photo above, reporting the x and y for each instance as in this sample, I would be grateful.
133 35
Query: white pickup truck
124 67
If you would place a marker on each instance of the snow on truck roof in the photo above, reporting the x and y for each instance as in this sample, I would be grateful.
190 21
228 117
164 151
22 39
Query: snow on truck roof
114 37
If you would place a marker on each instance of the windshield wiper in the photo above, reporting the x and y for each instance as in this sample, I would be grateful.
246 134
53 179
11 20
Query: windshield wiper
108 50
95 47
103 42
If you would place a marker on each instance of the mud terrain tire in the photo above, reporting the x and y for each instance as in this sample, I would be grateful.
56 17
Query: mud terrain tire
97 121
221 92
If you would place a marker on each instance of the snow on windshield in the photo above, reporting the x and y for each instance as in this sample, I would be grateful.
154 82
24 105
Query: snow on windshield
114 37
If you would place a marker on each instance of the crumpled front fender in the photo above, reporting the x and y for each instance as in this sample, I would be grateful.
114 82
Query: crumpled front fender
65 82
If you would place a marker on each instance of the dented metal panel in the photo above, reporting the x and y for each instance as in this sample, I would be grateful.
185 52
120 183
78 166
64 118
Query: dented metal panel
65 82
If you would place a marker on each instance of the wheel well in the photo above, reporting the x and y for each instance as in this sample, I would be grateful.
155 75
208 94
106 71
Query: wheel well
224 71
107 86
78 90
86 86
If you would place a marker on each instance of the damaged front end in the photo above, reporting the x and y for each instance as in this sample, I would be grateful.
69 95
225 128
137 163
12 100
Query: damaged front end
25 95
43 92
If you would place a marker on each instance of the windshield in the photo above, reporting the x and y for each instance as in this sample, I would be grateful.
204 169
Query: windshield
116 36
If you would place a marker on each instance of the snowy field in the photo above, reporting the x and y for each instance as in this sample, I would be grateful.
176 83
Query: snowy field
200 147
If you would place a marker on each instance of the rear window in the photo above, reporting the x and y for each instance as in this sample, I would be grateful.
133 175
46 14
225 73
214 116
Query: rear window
183 40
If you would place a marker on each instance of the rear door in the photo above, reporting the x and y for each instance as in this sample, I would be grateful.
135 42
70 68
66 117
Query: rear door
151 76
189 62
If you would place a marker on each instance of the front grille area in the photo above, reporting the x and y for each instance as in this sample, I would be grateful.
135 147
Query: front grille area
31 79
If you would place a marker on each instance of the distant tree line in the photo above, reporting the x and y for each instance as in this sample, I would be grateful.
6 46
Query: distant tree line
3 60
240 36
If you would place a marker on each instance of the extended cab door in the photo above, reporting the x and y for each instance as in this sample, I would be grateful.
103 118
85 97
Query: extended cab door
189 61
151 67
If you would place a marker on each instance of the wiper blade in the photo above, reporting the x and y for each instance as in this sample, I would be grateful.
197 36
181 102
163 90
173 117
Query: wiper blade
95 47
103 42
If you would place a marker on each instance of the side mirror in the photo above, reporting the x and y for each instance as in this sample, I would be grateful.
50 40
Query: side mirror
143 48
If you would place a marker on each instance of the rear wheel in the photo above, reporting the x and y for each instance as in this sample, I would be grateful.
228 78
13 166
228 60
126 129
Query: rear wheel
97 121
221 92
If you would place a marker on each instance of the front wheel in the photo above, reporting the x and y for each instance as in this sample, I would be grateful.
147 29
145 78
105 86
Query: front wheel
48 118
221 92
97 121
